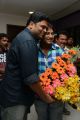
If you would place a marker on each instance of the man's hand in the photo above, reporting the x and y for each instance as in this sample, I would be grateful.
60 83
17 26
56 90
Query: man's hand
49 99
36 87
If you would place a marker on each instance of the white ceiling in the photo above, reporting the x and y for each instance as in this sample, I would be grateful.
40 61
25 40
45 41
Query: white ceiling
54 8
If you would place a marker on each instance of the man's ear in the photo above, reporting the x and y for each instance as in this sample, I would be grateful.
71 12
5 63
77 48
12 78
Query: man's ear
56 40
31 25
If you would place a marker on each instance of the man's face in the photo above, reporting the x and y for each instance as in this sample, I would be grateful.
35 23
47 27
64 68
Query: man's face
70 41
62 40
39 29
49 36
4 42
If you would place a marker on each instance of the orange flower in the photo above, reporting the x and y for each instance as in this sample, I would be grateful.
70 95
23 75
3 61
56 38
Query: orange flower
72 52
62 63
55 65
60 70
43 77
58 58
68 61
55 75
47 82
71 64
48 71
66 56
68 66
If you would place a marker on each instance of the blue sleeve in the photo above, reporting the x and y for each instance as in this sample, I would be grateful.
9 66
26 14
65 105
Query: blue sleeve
59 52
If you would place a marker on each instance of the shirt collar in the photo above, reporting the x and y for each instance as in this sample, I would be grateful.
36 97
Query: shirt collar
56 45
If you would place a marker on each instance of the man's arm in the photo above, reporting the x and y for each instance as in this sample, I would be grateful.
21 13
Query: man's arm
36 87
28 65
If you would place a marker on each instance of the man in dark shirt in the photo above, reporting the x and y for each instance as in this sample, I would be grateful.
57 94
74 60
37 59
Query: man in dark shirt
21 77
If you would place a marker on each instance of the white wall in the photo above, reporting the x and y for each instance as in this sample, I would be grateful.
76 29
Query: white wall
11 19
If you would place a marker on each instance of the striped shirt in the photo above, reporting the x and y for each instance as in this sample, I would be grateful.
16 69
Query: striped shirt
46 61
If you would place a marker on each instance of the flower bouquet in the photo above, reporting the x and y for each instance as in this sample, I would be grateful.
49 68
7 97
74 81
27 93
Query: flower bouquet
62 81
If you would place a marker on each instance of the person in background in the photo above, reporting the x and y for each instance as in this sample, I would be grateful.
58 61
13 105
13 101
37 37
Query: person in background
61 39
46 56
21 79
3 51
70 42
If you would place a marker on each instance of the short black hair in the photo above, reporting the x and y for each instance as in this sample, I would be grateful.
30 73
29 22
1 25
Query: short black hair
50 25
63 33
37 17
3 35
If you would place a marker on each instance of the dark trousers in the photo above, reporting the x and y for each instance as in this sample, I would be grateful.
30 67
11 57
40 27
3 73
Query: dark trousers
0 112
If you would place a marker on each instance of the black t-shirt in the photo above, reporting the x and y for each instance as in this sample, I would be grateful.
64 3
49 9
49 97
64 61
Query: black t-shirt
21 71
2 64
3 54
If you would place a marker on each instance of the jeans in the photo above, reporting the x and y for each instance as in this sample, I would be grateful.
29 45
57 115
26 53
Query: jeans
53 111
18 112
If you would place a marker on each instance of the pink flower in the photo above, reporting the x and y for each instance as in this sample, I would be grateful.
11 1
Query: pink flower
49 89
56 83
64 76
71 74
72 69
